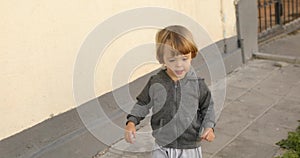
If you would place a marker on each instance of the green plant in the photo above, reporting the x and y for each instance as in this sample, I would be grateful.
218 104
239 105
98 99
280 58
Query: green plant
292 144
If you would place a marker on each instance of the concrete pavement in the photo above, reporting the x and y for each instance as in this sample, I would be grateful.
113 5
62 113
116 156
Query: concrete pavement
287 45
262 105
282 48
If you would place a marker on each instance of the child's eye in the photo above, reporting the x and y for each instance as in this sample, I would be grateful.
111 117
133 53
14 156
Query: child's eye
171 60
184 59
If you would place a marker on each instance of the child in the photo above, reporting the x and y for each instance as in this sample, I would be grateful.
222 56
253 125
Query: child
181 102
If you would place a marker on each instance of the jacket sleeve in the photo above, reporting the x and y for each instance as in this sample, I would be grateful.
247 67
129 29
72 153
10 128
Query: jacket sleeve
206 106
142 107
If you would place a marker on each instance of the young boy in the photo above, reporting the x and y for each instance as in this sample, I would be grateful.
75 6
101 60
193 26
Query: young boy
181 102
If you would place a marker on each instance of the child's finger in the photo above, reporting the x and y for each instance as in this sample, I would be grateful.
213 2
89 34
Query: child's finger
131 136
204 135
128 137
210 137
130 133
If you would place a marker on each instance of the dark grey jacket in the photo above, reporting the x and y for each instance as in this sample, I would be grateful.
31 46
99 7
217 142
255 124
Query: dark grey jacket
180 110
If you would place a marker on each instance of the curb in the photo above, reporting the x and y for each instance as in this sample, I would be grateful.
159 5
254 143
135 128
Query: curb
283 58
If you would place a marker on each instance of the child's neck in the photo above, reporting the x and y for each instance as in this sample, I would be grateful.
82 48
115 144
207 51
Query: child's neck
173 78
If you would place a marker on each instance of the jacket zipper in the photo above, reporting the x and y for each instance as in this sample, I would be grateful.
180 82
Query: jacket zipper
175 94
176 107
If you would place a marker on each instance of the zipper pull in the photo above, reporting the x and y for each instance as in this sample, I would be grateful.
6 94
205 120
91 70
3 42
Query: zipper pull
176 84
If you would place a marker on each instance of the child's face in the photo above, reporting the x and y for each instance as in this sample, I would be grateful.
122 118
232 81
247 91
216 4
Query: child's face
177 65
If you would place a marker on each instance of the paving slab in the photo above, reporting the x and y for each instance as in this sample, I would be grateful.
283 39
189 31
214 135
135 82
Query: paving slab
248 77
294 94
288 74
84 146
231 124
262 64
256 99
246 148
287 105
26 143
208 155
221 140
144 142
280 118
112 153
288 45
273 88
266 133
232 92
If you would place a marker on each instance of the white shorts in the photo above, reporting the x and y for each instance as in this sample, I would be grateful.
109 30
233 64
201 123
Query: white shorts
161 152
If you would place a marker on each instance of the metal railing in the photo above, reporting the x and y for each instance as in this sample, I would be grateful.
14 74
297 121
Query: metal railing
274 13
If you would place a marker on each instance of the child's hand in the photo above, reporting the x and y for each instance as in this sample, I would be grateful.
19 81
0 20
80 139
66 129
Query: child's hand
208 134
130 131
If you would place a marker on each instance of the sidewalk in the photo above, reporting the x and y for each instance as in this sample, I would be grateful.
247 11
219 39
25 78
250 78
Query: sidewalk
282 48
262 105
287 45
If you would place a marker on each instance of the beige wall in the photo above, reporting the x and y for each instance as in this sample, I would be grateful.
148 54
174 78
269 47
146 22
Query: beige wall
40 40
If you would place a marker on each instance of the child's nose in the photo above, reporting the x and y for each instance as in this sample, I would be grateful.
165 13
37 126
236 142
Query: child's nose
178 63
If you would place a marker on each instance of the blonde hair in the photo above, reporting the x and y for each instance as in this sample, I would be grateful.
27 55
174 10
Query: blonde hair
177 38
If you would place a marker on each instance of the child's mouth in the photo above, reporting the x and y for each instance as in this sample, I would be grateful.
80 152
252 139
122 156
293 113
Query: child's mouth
179 72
